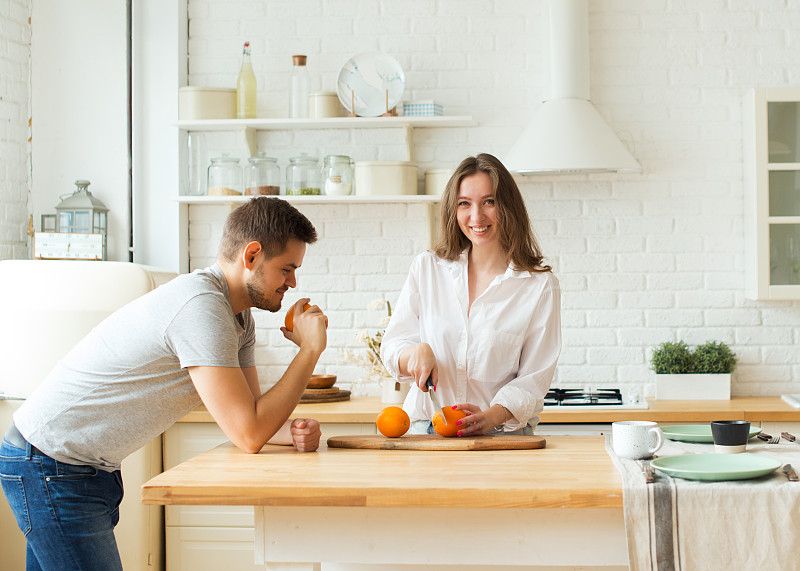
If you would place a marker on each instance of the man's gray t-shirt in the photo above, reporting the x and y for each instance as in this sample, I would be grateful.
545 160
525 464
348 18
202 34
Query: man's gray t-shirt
126 382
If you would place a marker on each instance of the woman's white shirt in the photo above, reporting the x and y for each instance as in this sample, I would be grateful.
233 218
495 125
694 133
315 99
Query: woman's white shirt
503 350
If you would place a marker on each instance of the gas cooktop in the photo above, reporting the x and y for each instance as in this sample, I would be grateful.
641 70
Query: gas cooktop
590 398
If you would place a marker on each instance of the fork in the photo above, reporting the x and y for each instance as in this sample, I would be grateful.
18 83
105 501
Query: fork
769 439
647 471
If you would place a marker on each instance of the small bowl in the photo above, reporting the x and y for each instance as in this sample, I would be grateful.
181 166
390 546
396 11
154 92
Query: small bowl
321 381
730 436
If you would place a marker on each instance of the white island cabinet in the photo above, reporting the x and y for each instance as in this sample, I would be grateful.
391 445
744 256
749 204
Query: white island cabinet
209 538
772 187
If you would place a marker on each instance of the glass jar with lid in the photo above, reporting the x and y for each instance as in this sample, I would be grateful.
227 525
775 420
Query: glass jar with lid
302 175
263 176
337 175
224 176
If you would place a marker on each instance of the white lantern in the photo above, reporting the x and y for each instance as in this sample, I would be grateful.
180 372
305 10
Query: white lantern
82 213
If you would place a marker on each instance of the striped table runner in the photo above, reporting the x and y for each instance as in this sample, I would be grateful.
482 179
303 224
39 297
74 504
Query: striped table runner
677 524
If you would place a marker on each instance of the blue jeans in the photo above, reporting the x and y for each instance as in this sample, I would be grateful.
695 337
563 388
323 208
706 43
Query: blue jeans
66 512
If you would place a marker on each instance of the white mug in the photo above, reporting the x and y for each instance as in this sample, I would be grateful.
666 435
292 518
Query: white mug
634 439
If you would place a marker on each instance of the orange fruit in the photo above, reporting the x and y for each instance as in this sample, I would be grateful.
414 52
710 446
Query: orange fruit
289 321
452 416
393 422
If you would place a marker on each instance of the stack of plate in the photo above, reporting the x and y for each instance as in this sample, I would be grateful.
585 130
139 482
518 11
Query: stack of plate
320 389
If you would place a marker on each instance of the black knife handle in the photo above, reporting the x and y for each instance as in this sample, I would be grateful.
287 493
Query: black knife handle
429 384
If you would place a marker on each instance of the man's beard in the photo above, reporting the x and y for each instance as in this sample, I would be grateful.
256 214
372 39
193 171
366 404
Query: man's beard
260 300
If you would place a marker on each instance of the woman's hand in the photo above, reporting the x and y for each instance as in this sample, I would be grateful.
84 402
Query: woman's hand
480 421
420 363
305 434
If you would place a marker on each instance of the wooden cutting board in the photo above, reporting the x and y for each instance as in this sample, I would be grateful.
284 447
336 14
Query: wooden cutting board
436 442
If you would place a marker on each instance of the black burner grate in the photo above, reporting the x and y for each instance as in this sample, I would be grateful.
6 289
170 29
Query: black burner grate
581 397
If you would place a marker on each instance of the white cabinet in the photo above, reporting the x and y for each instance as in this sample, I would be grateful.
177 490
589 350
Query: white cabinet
772 190
208 538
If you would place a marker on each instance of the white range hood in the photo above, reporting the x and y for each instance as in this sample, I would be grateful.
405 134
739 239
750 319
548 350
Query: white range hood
567 135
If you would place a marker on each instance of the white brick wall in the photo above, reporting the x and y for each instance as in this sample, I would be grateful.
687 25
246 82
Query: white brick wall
15 35
641 258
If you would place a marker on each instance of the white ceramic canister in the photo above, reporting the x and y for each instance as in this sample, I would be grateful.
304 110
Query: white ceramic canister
436 180
323 104
206 103
386 178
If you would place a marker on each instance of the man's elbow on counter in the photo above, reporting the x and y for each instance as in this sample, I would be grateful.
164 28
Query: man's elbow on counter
249 446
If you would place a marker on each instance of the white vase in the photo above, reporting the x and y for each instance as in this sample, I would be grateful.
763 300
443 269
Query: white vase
693 386
393 392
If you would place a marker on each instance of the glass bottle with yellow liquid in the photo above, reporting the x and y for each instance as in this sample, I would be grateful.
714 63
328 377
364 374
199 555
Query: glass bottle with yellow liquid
246 87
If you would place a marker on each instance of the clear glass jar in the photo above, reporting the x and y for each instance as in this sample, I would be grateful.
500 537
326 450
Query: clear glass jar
337 175
224 176
263 176
302 175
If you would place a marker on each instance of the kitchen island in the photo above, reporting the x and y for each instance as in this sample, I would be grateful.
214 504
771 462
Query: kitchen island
509 507
209 537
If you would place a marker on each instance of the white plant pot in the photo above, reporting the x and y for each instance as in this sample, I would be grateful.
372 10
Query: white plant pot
390 394
693 387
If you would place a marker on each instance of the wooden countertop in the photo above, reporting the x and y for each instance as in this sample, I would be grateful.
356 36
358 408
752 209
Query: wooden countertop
754 409
571 472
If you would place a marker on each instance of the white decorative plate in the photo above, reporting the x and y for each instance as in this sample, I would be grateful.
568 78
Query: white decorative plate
367 80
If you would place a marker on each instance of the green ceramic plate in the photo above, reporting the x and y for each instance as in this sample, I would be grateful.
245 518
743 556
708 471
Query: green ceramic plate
716 467
695 432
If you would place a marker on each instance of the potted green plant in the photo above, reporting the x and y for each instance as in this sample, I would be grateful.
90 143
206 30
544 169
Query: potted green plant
700 374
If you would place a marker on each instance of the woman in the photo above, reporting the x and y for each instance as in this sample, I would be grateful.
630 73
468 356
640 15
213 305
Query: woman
480 314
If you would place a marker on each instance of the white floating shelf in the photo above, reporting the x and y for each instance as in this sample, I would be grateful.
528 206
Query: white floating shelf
320 199
327 123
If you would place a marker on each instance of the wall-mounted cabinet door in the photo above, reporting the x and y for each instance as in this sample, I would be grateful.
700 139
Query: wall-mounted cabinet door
772 190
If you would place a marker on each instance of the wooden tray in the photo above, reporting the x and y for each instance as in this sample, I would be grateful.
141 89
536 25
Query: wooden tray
320 392
335 397
436 442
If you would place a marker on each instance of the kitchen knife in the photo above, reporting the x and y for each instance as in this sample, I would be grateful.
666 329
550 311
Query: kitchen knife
790 473
434 398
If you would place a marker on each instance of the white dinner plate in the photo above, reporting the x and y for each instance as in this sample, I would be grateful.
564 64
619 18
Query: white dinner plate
366 80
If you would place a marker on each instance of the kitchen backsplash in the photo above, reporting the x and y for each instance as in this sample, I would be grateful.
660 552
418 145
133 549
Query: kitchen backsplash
641 258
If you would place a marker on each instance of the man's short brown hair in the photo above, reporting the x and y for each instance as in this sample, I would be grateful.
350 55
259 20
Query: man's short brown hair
271 222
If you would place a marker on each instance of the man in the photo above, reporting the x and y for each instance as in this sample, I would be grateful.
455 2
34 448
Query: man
146 366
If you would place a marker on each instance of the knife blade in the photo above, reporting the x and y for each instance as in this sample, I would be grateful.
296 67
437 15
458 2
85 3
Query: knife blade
434 398
790 473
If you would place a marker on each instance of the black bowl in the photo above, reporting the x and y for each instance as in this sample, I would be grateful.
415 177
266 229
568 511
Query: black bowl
730 432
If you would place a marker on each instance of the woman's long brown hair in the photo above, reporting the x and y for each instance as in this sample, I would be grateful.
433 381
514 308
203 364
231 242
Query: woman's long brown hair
513 225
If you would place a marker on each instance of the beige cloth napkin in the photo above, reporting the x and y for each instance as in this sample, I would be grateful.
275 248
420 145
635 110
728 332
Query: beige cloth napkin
687 525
